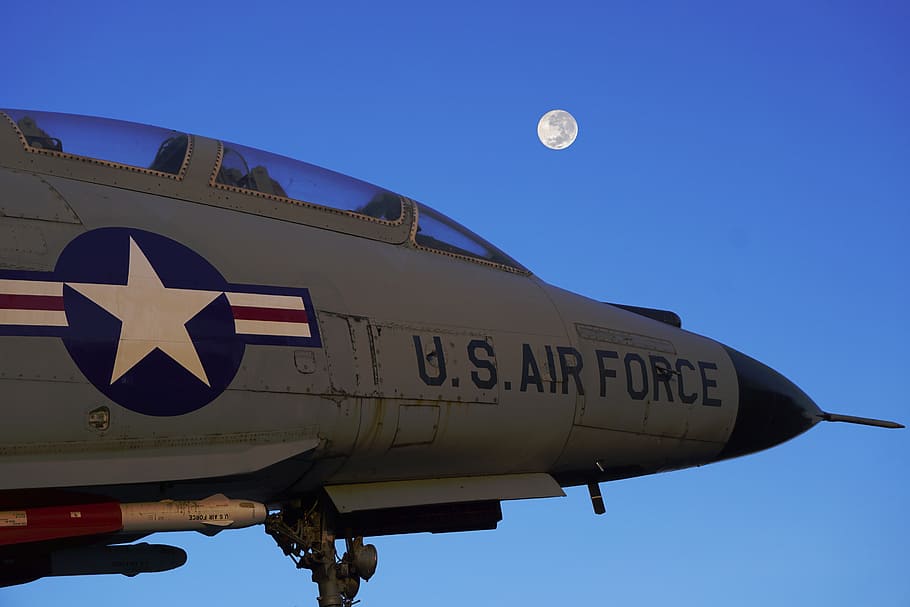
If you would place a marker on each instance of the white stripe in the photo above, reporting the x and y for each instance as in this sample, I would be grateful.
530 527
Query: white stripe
258 300
44 318
30 287
265 327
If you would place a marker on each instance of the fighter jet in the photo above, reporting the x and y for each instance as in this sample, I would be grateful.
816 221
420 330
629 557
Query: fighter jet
198 335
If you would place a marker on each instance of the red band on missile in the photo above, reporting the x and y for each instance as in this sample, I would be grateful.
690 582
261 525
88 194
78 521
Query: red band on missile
58 522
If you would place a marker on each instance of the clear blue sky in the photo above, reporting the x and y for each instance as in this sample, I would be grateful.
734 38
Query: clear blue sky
746 164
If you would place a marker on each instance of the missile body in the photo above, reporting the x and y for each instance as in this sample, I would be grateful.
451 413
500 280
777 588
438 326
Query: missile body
208 516
126 560
91 560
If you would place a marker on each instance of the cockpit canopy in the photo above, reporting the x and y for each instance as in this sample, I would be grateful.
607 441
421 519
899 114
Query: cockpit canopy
251 169
126 143
241 169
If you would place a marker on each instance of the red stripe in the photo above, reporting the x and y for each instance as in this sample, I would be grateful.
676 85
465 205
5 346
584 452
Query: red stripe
31 302
269 314
58 522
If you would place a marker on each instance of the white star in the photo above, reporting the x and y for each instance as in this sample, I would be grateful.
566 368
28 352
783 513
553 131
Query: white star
152 316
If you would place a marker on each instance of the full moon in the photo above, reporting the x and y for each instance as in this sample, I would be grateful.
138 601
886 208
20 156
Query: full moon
557 129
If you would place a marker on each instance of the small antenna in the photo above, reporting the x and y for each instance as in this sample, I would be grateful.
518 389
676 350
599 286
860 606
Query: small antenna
865 421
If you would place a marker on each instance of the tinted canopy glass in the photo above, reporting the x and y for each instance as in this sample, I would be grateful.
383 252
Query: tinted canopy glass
259 171
137 145
436 231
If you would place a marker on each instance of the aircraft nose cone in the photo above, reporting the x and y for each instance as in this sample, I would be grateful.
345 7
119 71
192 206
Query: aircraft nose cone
772 409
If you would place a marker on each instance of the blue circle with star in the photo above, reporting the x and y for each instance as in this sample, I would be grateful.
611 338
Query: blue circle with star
157 384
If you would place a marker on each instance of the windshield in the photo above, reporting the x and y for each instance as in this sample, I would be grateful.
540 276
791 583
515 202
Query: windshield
438 232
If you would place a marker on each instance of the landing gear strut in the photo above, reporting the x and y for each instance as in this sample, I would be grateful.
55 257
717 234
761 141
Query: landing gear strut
307 535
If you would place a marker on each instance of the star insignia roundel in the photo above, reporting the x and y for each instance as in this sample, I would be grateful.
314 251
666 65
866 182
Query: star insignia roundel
149 322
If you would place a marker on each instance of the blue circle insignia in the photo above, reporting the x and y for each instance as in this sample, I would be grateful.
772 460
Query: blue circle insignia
149 323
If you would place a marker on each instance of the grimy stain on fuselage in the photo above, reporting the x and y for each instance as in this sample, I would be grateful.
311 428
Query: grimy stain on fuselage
655 378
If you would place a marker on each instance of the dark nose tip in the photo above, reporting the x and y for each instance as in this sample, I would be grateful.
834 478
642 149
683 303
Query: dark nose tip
772 409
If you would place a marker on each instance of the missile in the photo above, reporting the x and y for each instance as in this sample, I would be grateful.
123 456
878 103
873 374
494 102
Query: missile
127 560
208 516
